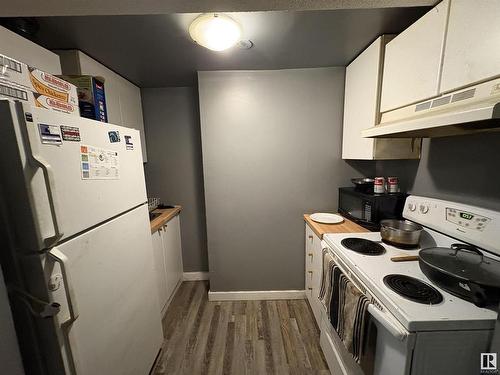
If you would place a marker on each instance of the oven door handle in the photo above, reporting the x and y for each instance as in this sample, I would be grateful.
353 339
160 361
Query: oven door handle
398 332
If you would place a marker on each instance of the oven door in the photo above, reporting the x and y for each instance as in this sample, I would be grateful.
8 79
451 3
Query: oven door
392 350
392 355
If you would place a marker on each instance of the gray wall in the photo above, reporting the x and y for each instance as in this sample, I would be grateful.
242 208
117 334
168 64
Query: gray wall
462 169
271 152
174 168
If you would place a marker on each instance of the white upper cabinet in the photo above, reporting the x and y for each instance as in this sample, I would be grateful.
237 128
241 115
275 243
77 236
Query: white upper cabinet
472 51
123 98
22 49
131 110
361 110
112 85
413 61
362 78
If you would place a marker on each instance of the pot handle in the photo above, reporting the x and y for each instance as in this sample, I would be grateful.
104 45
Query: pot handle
466 247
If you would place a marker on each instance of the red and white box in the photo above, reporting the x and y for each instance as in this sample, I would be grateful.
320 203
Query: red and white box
40 88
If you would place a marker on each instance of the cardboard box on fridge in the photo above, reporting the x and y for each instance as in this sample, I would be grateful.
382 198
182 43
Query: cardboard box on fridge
91 96
12 91
35 80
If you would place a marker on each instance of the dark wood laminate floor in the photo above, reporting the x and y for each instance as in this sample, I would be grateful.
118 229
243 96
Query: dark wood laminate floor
240 337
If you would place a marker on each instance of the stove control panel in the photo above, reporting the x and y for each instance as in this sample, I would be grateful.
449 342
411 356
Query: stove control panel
475 225
424 208
466 219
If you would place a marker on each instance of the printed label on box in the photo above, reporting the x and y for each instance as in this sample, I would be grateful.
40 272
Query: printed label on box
50 134
99 164
13 71
49 85
47 102
70 133
13 92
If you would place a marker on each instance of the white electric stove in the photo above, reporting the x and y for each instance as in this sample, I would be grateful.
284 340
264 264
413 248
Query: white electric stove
451 313
417 337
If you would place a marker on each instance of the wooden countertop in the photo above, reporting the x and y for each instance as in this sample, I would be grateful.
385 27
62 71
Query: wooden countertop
167 214
347 226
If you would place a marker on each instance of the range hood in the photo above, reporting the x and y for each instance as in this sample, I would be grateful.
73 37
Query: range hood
471 110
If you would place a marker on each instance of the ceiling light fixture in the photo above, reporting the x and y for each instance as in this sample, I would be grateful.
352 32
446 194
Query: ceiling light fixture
215 31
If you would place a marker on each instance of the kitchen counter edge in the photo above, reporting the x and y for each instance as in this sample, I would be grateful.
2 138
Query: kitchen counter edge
347 226
167 214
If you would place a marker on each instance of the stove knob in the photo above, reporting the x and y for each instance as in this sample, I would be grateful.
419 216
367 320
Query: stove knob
412 206
424 208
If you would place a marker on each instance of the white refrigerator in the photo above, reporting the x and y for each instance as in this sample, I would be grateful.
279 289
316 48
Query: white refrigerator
76 244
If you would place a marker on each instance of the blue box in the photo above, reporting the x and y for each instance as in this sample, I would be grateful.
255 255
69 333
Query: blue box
91 96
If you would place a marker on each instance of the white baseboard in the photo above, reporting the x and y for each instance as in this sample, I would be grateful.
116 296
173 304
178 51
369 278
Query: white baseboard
256 295
195 276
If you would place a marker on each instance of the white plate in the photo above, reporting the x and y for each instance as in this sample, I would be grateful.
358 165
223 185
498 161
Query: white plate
325 218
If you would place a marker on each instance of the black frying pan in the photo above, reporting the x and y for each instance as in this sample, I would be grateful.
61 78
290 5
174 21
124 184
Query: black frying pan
363 184
464 271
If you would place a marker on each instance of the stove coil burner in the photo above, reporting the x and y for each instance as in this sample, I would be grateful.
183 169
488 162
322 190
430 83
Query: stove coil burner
413 289
363 246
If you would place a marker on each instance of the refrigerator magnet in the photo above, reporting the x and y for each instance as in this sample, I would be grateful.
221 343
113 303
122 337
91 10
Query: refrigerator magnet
70 133
50 134
129 145
114 136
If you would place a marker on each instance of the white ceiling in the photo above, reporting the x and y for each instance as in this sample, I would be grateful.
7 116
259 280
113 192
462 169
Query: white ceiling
156 51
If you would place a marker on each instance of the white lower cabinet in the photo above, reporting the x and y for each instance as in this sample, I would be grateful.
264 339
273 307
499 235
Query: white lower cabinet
173 254
167 251
159 266
313 272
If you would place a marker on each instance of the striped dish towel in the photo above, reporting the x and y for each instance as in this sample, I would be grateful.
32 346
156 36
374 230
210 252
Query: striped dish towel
327 286
349 316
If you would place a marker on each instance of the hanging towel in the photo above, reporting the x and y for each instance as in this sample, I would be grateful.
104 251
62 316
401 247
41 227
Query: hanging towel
355 317
330 269
350 318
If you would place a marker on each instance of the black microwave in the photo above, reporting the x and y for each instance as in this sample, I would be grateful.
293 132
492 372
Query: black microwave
367 209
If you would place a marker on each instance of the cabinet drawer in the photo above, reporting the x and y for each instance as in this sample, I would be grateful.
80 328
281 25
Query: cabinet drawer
309 239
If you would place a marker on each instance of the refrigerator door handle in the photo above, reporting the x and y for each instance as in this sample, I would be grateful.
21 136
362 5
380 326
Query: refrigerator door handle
62 259
50 185
52 195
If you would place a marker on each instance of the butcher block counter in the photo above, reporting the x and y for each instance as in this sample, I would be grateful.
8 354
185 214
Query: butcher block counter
347 226
166 214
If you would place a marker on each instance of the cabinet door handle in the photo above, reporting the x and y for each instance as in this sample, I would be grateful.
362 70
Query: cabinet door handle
310 288
310 254
310 272
311 237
